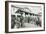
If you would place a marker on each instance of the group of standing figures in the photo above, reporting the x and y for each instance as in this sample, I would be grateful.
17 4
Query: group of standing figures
21 21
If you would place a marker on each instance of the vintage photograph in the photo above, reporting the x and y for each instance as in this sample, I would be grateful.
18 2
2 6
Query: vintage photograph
26 16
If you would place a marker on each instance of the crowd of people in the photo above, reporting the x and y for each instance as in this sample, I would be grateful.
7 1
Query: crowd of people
21 20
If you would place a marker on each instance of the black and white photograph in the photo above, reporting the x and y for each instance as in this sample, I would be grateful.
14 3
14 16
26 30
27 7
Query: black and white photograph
24 16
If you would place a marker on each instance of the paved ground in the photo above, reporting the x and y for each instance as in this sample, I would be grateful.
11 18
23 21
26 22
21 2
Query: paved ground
28 25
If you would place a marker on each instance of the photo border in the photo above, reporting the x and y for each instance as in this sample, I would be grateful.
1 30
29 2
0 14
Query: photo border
7 15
